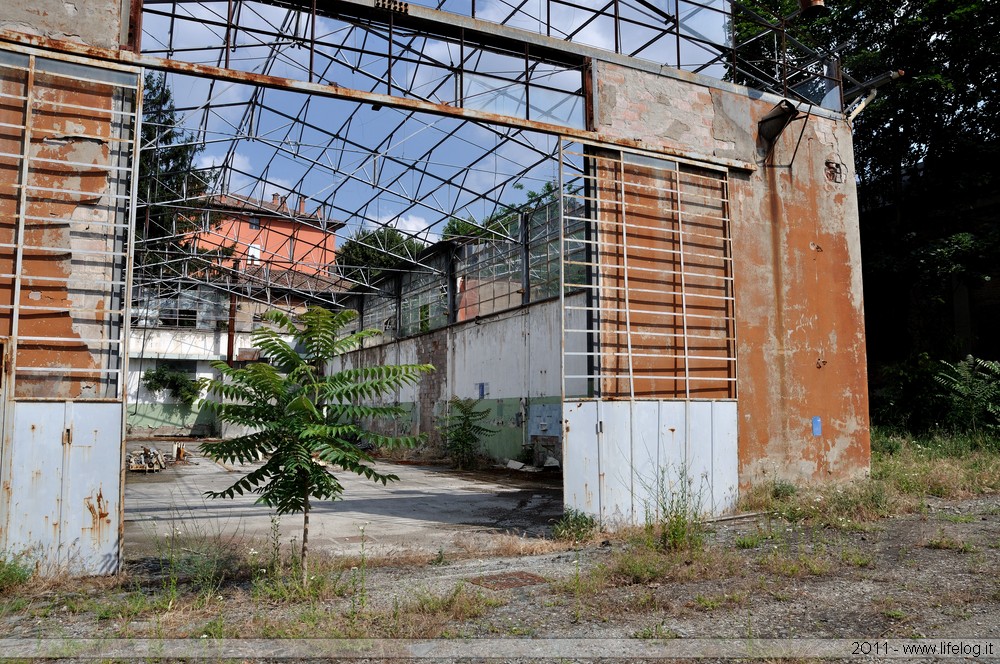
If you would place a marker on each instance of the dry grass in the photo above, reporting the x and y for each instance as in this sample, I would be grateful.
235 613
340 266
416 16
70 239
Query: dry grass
506 545
796 565
900 481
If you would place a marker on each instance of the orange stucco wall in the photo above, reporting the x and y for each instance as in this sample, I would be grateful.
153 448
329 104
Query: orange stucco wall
283 244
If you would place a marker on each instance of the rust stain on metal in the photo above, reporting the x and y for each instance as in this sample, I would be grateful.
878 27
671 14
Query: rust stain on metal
99 515
508 580
59 137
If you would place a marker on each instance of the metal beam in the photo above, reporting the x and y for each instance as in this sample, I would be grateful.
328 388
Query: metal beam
339 92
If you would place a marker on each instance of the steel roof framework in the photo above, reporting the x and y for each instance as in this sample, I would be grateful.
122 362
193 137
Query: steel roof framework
369 162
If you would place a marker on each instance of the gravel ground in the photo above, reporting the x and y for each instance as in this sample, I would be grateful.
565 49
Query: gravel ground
927 575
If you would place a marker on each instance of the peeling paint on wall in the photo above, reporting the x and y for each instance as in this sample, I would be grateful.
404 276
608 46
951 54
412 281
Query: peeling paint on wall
797 264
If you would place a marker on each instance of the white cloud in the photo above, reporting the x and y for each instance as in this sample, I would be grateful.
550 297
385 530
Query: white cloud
411 224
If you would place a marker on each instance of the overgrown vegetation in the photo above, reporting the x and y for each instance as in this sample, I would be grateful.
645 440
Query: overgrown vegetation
177 383
972 390
649 576
905 470
302 418
462 431
14 571
574 526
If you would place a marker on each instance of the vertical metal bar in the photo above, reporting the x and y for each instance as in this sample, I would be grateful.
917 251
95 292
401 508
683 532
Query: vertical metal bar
525 220
784 59
460 82
64 485
312 41
135 26
231 329
562 277
624 263
451 285
527 84
618 32
591 277
397 319
22 213
677 29
684 319
126 305
730 272
170 30
732 41
388 55
229 30
10 353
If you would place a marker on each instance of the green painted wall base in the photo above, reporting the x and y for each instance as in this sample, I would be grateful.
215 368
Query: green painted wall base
170 419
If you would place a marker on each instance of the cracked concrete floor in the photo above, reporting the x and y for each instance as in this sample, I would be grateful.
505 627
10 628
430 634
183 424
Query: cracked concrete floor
429 509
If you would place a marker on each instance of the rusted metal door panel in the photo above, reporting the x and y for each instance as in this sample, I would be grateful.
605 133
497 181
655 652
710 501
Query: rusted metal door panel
711 455
581 489
90 526
657 273
725 456
615 472
61 443
34 518
66 187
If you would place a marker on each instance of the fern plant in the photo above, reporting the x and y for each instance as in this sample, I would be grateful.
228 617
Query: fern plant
972 388
301 415
462 431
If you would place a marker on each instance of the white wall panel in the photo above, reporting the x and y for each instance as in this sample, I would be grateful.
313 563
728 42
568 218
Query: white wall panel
581 487
645 457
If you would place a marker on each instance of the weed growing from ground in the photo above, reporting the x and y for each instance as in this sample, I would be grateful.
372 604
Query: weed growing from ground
856 557
14 571
657 631
948 543
574 526
752 540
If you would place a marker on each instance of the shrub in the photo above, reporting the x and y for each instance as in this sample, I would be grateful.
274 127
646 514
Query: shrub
574 526
14 571
304 418
176 382
972 390
462 431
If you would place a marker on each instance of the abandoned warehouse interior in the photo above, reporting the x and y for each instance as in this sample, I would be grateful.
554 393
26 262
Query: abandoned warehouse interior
661 288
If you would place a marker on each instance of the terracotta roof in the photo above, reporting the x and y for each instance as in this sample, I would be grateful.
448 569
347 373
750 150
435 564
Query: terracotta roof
291 280
278 206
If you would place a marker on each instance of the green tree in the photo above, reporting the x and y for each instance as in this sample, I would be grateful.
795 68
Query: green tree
370 252
926 155
926 152
502 223
303 417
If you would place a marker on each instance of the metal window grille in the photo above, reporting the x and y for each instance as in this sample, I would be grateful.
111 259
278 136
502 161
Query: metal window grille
655 319
67 157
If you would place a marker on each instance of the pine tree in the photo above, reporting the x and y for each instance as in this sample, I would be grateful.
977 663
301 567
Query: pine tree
171 188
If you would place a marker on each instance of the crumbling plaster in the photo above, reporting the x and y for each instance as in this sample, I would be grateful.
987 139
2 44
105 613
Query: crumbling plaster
796 262
91 22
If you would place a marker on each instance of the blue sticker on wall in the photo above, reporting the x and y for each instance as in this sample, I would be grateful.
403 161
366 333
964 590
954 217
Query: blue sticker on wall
817 426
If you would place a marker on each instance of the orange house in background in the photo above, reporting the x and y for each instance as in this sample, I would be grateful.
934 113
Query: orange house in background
270 234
